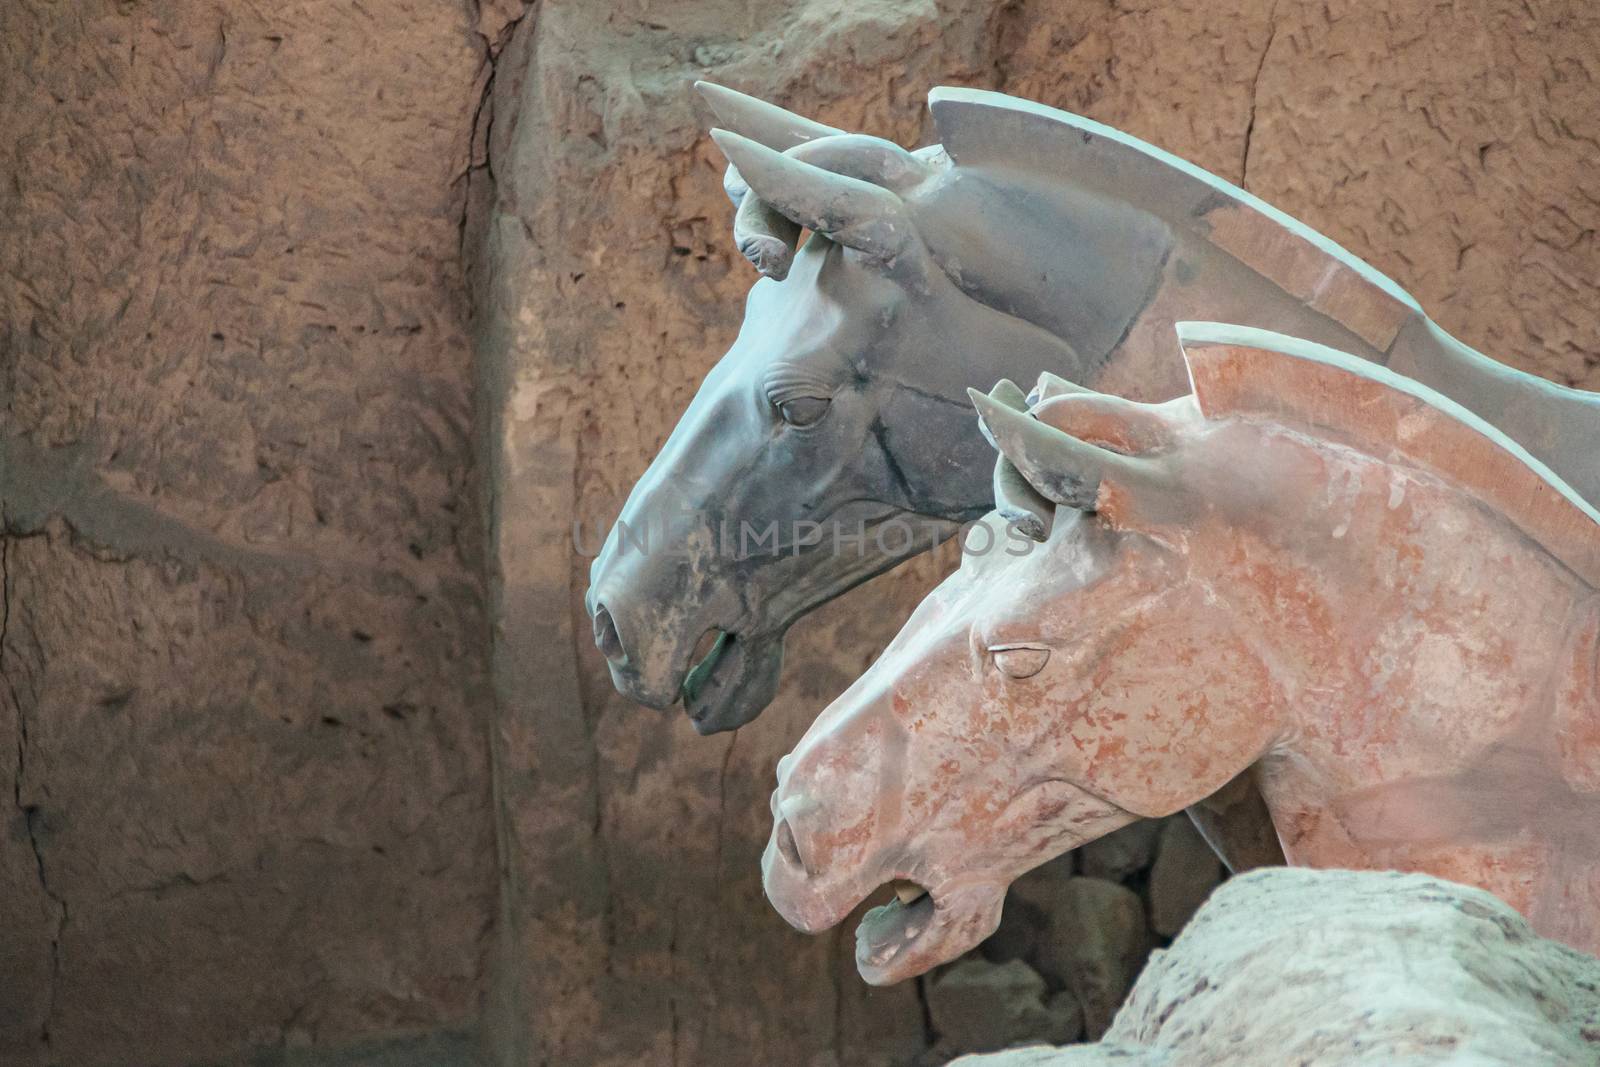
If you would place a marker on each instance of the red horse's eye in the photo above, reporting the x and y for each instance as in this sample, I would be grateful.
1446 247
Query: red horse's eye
1020 661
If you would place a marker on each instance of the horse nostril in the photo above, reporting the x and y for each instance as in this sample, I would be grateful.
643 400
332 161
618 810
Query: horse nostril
606 638
786 846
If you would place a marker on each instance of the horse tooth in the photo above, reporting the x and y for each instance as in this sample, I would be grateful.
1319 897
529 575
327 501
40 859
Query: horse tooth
909 892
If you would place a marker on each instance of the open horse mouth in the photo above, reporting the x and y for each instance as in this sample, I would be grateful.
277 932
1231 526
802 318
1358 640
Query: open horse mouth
731 678
703 661
920 929
889 930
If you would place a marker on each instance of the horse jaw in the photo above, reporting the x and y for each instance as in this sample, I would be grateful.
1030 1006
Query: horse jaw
899 941
734 683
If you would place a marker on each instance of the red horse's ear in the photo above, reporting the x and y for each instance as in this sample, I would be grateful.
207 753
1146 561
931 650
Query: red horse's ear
1017 502
1059 466
1112 422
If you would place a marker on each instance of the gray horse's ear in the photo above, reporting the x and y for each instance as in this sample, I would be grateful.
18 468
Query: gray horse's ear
1057 465
860 155
763 235
852 212
764 123
1005 392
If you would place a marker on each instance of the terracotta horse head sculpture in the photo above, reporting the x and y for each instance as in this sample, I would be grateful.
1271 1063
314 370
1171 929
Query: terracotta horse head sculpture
1043 240
1309 569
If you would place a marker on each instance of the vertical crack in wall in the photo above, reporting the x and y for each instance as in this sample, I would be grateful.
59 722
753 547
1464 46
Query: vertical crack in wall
930 1033
499 1030
495 29
477 159
722 802
1255 90
30 812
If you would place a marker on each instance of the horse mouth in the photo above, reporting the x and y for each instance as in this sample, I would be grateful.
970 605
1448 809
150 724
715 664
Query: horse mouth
708 652
888 935
732 677
714 690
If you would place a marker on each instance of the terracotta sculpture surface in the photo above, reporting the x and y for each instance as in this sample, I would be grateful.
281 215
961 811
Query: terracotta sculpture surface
1309 570
1027 240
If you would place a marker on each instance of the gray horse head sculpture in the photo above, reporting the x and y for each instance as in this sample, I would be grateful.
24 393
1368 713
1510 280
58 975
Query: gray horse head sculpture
834 439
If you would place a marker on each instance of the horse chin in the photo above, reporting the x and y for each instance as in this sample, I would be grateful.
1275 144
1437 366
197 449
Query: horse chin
899 940
734 683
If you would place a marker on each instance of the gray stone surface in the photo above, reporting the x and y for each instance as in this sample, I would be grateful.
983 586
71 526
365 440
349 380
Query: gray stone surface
1348 969
1096 944
978 1006
1184 874
1122 852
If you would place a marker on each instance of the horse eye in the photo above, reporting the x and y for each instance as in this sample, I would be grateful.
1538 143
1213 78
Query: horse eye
1024 662
803 410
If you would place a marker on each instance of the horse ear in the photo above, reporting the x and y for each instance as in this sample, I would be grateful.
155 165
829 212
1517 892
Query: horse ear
1058 466
1017 502
1050 385
764 123
768 238
1114 422
763 235
1005 392
850 211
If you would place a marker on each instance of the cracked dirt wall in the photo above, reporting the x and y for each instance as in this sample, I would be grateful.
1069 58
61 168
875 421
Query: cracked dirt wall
1451 145
242 726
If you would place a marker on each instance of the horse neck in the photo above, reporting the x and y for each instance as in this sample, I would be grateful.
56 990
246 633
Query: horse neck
1576 700
1401 656
1111 277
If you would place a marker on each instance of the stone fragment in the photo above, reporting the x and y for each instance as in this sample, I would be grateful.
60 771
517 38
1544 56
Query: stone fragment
980 1006
1404 968
1184 874
1097 943
1119 854
1030 902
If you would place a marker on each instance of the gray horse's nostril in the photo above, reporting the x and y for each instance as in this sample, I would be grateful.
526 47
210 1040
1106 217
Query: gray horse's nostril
606 638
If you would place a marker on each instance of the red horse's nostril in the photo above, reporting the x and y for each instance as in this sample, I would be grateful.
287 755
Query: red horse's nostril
786 846
606 638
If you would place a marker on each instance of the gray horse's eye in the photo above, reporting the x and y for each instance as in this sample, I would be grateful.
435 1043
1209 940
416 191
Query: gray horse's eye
803 410
1020 661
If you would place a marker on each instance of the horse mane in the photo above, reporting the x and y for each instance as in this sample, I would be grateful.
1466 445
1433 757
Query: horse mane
1240 371
979 128
1211 220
